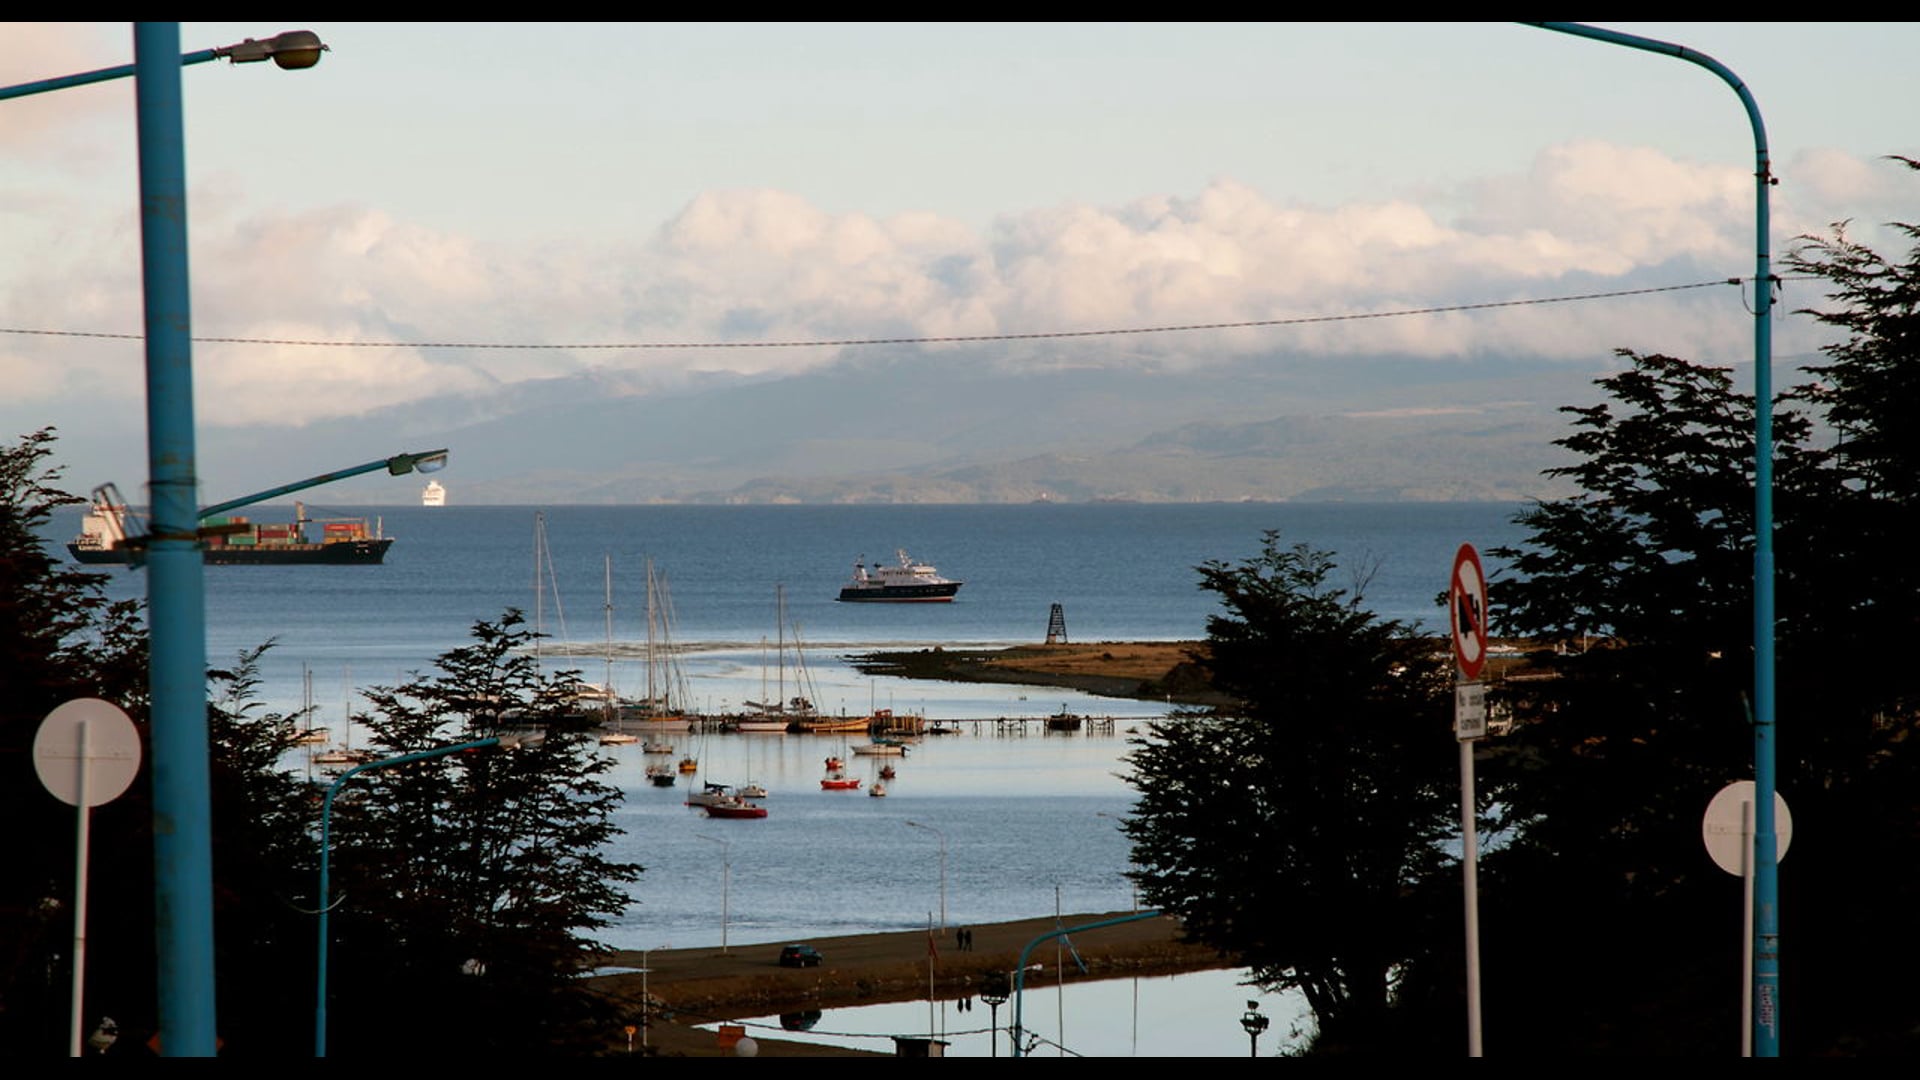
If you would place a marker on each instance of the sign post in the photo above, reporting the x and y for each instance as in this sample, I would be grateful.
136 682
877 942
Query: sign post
1727 829
1467 616
86 753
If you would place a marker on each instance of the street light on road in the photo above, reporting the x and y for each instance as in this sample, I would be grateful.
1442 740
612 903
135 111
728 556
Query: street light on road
943 870
726 883
176 600
322 897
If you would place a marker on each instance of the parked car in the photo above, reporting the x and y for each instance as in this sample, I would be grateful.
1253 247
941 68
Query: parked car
800 956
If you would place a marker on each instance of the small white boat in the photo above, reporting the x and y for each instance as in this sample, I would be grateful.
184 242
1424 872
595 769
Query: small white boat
878 790
651 747
881 748
618 738
908 582
752 790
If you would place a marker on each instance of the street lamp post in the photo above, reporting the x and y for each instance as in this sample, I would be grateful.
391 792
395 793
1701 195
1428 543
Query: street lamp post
1020 967
322 898
1253 1022
943 870
425 461
1766 856
993 991
176 603
726 883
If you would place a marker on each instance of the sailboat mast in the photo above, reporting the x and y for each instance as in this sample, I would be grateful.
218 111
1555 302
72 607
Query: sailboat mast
609 607
780 650
539 589
652 621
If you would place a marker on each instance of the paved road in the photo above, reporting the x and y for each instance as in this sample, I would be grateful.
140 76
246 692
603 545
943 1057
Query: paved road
702 985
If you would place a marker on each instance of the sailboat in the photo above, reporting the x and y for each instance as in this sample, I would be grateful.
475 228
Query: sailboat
656 713
308 735
344 754
811 721
772 717
619 736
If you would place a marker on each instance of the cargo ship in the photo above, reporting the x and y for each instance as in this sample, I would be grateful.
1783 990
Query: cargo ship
908 581
231 540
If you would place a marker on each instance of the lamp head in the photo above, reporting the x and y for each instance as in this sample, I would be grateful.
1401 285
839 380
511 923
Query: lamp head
291 50
429 461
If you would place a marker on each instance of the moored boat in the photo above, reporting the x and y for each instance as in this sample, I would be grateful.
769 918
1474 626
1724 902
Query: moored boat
710 794
839 782
905 582
661 776
735 807
829 725
877 791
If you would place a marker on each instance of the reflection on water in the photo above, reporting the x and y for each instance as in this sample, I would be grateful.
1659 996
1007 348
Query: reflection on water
1196 1014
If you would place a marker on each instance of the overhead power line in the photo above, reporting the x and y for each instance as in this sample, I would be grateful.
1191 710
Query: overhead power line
1302 320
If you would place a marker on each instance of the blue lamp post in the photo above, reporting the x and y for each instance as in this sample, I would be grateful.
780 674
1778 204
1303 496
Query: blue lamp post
1018 1033
427 461
324 900
1766 856
182 819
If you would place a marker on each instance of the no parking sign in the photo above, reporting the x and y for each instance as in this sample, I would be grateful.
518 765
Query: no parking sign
1467 603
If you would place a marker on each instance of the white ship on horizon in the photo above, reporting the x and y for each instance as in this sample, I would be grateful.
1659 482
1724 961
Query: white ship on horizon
434 495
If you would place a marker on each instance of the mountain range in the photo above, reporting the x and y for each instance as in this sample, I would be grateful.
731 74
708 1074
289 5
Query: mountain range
960 427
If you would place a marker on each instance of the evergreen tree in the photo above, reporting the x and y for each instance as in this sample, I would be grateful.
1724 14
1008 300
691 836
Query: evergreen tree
62 638
1295 832
467 885
1643 584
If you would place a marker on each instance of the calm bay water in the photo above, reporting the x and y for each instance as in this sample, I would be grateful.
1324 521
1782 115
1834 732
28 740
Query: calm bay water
1006 822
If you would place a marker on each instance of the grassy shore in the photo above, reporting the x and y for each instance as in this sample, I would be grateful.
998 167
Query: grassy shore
1144 670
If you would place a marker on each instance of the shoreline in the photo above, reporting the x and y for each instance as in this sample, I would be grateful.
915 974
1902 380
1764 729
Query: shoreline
689 987
1171 671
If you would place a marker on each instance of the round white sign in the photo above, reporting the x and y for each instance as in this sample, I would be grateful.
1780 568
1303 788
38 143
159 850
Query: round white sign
89 745
1727 827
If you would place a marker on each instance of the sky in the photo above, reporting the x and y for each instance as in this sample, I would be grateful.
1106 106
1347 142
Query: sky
542 187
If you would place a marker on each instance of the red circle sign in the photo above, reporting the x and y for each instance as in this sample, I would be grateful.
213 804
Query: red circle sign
1467 608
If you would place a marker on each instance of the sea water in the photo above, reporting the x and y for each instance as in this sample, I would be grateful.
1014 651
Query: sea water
1001 821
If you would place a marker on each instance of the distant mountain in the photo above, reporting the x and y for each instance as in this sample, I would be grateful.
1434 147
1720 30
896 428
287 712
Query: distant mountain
958 428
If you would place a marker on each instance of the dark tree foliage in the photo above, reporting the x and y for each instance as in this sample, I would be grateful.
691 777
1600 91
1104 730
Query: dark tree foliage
61 638
1642 586
466 886
263 869
1294 833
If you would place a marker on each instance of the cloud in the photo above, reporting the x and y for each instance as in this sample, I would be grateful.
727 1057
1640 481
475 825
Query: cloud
754 266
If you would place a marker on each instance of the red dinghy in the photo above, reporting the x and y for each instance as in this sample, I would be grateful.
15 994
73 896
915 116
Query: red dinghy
840 782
